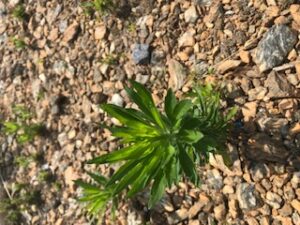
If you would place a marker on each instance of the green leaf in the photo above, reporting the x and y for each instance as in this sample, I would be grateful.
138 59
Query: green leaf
190 136
158 189
88 188
148 171
187 165
142 97
11 127
135 151
170 103
98 178
231 113
128 178
172 171
182 108
124 116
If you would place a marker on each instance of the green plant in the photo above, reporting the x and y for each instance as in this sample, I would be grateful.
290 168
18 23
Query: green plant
110 59
210 70
159 148
20 196
101 6
19 12
24 132
45 176
19 43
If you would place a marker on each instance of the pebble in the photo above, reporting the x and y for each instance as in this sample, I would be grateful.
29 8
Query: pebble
141 54
100 32
228 65
70 33
220 212
273 200
296 205
117 99
247 196
187 39
191 14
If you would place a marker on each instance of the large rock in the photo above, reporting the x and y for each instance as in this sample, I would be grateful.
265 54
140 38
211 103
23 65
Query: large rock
274 47
278 86
262 147
248 197
177 75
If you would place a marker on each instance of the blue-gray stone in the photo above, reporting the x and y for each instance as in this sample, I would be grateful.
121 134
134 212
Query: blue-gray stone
273 49
141 54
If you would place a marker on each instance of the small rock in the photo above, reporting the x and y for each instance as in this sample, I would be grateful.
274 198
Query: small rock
220 212
191 14
273 200
71 134
296 205
245 56
295 12
295 181
157 56
178 216
70 32
187 39
117 99
286 210
295 129
233 208
70 175
252 221
278 86
227 189
140 54
247 196
228 65
194 210
273 49
259 171
296 218
249 110
100 32
214 179
177 75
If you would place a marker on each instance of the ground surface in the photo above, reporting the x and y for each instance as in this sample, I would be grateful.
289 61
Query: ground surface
72 62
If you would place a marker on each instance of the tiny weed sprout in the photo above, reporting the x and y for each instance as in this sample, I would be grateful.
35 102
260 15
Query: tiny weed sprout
23 131
19 43
159 149
101 6
110 59
19 12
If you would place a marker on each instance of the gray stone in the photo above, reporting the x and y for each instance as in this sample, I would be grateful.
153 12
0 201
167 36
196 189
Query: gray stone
259 171
157 56
214 179
296 218
248 197
278 86
140 54
191 15
200 68
203 2
274 47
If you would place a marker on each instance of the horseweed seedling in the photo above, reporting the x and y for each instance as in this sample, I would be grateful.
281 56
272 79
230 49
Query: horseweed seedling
19 43
19 12
101 6
159 148
24 132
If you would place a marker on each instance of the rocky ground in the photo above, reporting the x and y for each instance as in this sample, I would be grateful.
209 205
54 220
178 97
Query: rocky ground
70 62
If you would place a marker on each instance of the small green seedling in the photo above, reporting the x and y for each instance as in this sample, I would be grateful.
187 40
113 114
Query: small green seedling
19 43
159 149
210 70
110 59
101 6
19 12
24 132
45 176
